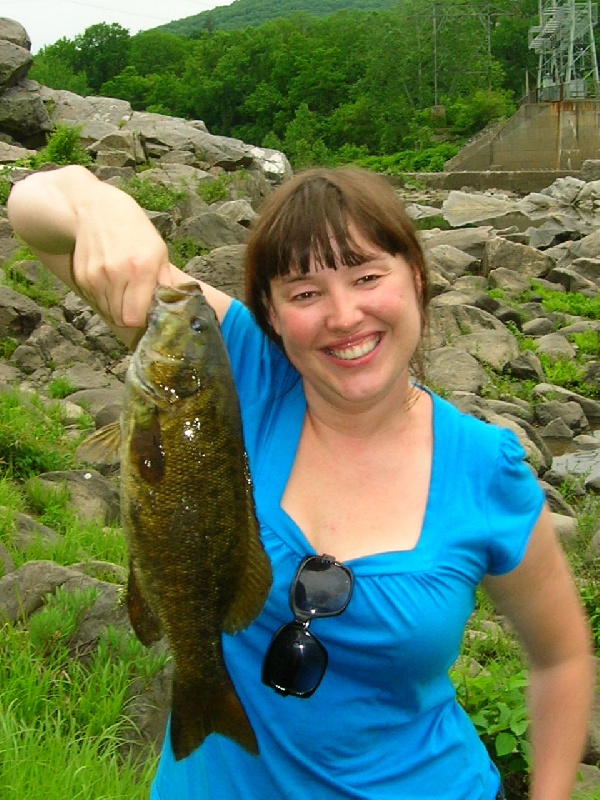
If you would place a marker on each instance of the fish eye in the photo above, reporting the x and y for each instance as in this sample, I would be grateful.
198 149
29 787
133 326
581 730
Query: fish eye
197 324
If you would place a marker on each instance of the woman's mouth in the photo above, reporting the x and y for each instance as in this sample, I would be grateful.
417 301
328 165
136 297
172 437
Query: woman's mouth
352 351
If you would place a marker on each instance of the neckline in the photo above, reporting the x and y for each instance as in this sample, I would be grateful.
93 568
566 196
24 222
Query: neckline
283 447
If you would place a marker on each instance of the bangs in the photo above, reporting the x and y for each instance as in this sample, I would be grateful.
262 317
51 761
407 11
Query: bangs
317 227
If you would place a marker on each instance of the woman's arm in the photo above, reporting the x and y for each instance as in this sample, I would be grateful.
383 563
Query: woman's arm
98 241
540 599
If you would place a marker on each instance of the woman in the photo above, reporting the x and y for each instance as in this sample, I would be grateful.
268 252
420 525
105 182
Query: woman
415 504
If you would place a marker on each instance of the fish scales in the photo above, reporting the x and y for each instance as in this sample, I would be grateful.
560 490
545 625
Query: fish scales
197 567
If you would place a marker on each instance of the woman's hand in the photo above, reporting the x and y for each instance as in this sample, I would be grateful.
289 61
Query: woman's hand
100 242
118 256
96 239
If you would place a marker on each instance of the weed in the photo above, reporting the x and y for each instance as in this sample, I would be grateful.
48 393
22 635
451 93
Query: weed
8 347
32 437
183 250
43 291
586 342
565 302
568 374
213 190
152 196
63 147
60 387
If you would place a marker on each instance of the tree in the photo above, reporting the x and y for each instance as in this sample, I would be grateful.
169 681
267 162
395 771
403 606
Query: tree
53 66
101 51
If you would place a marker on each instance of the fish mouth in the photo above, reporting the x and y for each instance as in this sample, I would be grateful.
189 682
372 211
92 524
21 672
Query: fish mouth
354 350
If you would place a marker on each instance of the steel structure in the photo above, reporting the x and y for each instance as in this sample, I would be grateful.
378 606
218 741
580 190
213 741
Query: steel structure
564 42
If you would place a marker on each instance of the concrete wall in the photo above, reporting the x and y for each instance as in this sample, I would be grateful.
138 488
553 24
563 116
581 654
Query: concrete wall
540 136
518 181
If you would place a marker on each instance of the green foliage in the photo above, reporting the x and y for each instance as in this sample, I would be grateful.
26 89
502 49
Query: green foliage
63 147
43 291
244 13
51 629
62 722
586 342
183 250
565 302
5 187
430 159
8 347
101 52
327 83
59 388
470 114
568 374
495 700
211 191
32 436
54 66
152 196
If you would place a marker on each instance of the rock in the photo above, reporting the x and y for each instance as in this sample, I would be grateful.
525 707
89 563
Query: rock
92 497
454 369
519 257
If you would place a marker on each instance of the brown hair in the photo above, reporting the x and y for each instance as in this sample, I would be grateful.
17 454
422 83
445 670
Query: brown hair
310 216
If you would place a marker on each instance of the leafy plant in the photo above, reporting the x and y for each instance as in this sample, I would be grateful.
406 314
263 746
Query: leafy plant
565 302
183 250
32 437
495 700
213 190
60 387
63 147
152 196
43 291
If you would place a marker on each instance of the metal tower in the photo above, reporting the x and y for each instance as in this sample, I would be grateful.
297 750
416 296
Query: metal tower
564 41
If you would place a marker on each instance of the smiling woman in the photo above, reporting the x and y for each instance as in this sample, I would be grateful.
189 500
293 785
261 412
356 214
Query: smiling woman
369 475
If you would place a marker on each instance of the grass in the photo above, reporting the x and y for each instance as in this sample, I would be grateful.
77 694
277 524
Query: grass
152 196
64 729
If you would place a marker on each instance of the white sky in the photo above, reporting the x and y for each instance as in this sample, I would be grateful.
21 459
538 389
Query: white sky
46 21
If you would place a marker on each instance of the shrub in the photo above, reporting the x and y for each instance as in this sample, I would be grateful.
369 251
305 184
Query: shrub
152 196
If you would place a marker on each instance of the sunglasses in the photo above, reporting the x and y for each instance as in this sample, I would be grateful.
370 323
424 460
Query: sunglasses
296 661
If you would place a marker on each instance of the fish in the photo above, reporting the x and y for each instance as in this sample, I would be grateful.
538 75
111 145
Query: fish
197 567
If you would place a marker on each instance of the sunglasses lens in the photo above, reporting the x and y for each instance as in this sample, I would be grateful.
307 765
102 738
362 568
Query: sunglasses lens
295 662
321 588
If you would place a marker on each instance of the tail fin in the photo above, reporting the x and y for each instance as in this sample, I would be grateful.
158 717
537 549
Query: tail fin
196 713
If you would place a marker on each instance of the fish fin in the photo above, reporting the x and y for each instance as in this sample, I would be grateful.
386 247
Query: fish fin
196 714
253 588
102 446
144 622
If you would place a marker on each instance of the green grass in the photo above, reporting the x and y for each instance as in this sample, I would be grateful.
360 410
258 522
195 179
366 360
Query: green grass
43 292
152 196
63 732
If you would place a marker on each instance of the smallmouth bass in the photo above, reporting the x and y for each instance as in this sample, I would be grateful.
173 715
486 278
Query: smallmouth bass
197 567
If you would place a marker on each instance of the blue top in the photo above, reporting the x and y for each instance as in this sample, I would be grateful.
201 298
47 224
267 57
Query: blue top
384 723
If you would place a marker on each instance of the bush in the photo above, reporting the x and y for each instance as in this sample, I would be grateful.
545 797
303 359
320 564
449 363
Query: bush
62 148
152 196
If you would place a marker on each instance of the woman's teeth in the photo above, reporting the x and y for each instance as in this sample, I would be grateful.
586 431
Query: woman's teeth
355 351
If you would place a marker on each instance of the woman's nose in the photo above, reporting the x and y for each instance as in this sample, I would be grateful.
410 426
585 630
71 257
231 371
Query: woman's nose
344 312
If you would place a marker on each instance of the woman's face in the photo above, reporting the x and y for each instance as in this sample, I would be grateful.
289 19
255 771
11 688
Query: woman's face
350 332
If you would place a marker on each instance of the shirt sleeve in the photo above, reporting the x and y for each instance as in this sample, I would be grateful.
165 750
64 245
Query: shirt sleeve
514 503
259 367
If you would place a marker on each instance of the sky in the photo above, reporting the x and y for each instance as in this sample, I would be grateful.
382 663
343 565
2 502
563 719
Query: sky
46 21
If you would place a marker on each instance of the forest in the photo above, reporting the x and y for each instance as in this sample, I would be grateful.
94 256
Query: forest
400 88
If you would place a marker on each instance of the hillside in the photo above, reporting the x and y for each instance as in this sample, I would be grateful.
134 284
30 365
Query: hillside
252 13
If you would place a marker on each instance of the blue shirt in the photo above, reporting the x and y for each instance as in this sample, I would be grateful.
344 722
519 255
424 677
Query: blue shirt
384 724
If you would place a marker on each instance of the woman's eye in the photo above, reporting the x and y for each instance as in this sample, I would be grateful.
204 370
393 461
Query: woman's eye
303 295
368 279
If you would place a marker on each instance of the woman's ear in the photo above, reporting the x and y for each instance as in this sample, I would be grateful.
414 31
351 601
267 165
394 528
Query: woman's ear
273 321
